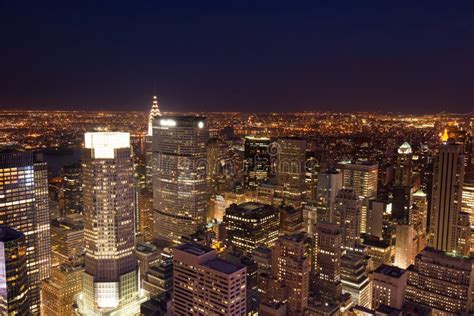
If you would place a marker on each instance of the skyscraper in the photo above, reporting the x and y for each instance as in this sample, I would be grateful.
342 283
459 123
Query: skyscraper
110 282
290 171
327 261
14 298
72 189
347 216
251 224
257 162
448 176
402 186
290 265
441 281
154 114
329 184
362 177
206 285
468 204
24 207
388 286
405 245
180 180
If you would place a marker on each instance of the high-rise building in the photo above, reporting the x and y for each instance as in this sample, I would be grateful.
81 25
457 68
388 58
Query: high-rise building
250 225
419 212
24 207
355 277
14 298
327 261
58 292
180 181
467 205
375 218
290 265
206 285
362 177
43 216
67 239
257 160
348 216
402 186
441 281
405 245
329 184
110 282
291 220
448 177
388 286
290 171
72 189
154 114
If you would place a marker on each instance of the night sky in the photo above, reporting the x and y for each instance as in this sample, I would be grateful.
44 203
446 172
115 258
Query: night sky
398 56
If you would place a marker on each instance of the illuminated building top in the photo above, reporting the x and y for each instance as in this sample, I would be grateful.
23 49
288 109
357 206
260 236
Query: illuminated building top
405 149
105 143
154 113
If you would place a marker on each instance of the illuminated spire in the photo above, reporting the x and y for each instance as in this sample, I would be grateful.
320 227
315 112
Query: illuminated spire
405 148
154 113
445 136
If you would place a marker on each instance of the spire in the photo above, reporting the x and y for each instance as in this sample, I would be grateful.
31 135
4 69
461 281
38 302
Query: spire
405 148
154 113
445 136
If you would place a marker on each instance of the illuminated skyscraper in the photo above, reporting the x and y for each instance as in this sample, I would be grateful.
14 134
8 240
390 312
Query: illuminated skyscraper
362 178
327 261
251 224
290 265
14 298
72 189
446 227
206 285
355 277
468 205
402 186
347 216
329 184
154 114
110 282
180 180
24 207
257 161
441 281
405 245
290 171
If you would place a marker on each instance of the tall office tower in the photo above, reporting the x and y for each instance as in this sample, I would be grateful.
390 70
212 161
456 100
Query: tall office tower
257 161
58 292
375 218
250 225
67 239
441 281
327 261
362 178
419 214
291 266
180 183
14 299
24 207
467 205
355 277
291 220
329 184
290 171
43 217
309 217
206 285
110 282
388 286
448 178
402 186
154 114
145 202
347 216
72 189
405 245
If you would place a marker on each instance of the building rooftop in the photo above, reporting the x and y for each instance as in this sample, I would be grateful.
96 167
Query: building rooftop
194 249
223 266
392 271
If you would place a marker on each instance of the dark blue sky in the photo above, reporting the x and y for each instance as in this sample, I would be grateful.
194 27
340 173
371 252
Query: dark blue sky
404 56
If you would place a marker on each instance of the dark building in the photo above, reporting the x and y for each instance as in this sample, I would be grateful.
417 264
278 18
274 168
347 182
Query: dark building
14 299
256 161
72 189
